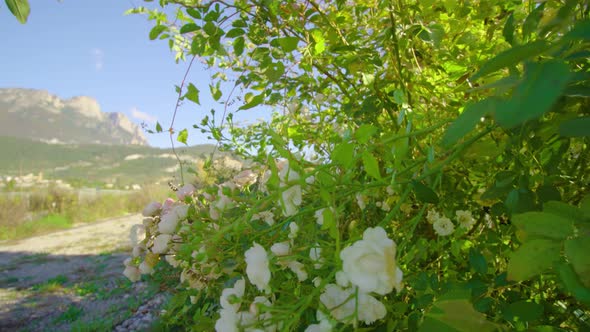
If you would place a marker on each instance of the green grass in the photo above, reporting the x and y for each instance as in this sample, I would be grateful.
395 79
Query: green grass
51 285
46 224
71 314
66 209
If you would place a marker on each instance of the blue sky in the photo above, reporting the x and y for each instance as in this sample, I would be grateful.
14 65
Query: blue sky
88 47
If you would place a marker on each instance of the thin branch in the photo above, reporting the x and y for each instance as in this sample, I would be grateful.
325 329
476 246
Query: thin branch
171 129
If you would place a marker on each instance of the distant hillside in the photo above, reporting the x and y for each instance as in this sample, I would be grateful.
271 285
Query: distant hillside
94 163
41 116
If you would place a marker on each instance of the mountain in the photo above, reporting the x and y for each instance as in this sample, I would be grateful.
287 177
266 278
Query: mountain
100 164
41 116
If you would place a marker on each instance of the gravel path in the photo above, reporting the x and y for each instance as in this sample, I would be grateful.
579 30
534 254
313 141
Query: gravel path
71 280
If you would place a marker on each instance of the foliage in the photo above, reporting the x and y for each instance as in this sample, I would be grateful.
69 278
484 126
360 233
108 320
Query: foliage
459 128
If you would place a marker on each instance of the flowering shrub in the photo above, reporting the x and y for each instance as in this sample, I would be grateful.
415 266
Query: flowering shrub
426 168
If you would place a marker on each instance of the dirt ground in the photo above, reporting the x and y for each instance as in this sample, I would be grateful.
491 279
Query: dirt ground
70 280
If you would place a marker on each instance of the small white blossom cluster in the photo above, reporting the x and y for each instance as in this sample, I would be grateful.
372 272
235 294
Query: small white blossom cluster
160 224
443 226
368 266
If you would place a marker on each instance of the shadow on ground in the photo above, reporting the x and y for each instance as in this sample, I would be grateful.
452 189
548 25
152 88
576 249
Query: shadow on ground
45 292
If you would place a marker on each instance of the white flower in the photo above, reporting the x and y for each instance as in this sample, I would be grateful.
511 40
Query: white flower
132 273
315 254
169 221
443 226
317 281
370 309
230 296
184 191
171 259
342 304
319 98
293 229
257 267
167 206
245 178
298 269
360 200
465 219
281 249
146 268
267 216
255 306
323 326
310 179
432 216
385 206
319 216
151 209
291 197
293 106
337 301
161 243
370 263
135 232
222 202
290 200
286 174
227 322
342 279
137 250
390 190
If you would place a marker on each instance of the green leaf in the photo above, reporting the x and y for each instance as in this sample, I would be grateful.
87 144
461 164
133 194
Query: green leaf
519 201
424 193
508 31
343 154
215 92
20 9
158 127
365 132
542 224
239 46
532 20
288 44
253 102
156 31
182 136
236 32
577 250
578 127
564 210
585 206
512 57
193 12
523 311
477 261
580 31
571 282
533 258
371 165
455 313
189 27
320 42
542 86
547 193
467 120
192 94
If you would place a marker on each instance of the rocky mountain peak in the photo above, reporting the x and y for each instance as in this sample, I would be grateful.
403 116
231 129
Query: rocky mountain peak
40 115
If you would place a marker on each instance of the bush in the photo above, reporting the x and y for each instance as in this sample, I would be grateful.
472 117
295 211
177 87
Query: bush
428 170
